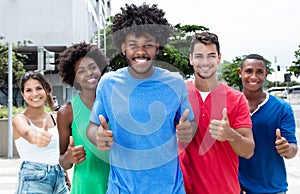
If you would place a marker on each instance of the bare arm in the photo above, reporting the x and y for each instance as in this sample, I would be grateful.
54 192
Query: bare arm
23 129
69 153
242 142
91 132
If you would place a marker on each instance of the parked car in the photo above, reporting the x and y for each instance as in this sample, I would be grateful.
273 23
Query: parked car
294 94
280 92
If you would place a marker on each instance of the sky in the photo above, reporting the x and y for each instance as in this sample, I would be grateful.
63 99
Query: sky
270 28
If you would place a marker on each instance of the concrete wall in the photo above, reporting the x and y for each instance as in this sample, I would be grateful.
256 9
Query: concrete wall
44 22
4 140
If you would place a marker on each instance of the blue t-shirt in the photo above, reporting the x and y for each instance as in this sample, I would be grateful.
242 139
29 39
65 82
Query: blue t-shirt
265 171
142 115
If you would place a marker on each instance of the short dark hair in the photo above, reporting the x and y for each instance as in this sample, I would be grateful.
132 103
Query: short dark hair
45 83
140 20
68 58
254 56
205 38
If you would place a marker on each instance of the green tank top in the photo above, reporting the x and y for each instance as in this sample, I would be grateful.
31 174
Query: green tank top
91 175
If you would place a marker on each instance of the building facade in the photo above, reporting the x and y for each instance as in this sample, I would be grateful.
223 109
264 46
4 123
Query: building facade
51 25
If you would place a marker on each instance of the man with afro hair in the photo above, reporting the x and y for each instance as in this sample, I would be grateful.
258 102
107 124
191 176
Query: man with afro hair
146 106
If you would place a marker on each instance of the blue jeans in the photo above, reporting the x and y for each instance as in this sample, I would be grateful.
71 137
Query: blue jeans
41 178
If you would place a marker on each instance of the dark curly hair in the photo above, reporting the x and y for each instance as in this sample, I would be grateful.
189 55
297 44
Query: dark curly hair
68 58
140 20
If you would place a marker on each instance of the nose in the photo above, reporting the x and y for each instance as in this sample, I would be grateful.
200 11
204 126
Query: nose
141 48
89 72
253 75
35 92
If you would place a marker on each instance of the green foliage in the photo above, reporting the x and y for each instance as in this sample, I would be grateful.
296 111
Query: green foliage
17 67
16 110
176 59
229 72
295 69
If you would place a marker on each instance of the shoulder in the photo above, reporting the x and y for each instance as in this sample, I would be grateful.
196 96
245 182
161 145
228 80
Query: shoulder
112 76
20 118
279 102
168 73
65 111
231 89
231 92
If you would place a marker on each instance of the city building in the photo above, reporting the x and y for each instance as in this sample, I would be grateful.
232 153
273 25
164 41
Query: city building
51 26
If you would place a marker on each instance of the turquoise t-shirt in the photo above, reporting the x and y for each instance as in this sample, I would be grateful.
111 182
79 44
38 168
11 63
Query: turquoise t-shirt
142 115
91 175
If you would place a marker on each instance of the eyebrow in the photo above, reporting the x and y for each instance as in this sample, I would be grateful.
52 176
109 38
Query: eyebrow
91 63
136 41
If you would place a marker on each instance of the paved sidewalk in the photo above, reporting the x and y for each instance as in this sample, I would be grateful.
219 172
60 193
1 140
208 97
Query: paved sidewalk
9 169
9 172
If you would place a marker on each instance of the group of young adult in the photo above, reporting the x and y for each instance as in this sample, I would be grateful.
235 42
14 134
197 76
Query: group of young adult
142 129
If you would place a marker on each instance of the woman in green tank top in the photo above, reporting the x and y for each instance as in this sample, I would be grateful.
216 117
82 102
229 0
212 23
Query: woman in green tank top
81 66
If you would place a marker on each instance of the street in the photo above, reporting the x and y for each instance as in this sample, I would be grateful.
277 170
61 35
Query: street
9 168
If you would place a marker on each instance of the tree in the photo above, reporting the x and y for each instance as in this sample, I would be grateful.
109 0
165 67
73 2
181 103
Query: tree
229 72
295 69
17 68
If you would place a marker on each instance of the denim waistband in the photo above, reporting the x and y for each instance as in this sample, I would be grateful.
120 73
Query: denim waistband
37 165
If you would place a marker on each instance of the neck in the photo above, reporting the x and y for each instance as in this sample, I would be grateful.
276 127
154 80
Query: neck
254 95
140 75
205 85
34 113
88 97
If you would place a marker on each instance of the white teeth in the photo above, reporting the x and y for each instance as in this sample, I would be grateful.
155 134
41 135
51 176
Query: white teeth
204 68
35 99
252 83
140 60
91 80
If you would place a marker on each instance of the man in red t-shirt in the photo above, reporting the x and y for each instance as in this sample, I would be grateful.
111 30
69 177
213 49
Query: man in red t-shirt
210 161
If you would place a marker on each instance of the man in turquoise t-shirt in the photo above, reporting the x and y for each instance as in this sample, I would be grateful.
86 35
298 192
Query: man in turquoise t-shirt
147 108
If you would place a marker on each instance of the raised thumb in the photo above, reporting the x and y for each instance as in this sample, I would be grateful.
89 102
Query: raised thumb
225 116
103 122
278 134
71 141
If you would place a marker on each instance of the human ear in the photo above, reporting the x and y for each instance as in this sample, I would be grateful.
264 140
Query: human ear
123 49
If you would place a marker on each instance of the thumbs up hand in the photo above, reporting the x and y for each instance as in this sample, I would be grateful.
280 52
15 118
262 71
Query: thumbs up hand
104 136
184 130
220 129
75 154
281 144
43 137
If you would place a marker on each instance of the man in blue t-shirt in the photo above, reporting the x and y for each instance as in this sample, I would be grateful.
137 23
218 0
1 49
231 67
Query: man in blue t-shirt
273 130
147 108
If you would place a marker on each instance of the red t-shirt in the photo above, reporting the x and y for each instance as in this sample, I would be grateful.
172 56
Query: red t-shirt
208 165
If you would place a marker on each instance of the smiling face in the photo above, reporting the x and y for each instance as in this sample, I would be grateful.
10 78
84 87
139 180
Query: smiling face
205 59
140 52
87 73
253 74
34 93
